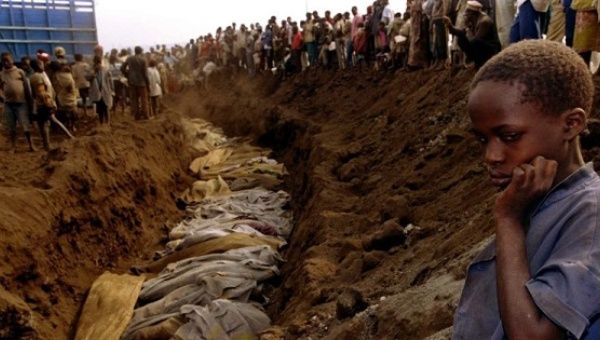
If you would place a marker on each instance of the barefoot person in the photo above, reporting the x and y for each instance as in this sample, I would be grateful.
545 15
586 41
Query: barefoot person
539 278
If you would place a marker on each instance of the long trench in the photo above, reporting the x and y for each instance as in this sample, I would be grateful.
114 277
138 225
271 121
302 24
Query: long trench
211 279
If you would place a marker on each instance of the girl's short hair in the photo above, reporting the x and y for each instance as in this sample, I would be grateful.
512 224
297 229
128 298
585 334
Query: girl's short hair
554 76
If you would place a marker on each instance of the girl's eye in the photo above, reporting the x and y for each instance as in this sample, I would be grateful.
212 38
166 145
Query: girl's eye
479 138
510 137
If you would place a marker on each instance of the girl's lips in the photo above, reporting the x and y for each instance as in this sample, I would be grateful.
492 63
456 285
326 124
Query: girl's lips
500 181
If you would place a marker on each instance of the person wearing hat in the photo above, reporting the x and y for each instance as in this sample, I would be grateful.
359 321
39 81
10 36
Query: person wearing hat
479 39
528 22
61 55
66 93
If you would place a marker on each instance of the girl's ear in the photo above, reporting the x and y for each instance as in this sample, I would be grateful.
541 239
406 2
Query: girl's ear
574 123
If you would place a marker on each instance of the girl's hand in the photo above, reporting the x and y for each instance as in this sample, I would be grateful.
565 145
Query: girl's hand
528 184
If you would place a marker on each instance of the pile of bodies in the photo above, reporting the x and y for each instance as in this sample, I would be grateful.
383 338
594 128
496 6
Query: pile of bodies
208 281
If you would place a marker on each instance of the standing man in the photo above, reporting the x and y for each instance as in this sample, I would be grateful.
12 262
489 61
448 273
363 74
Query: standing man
387 15
440 32
357 19
528 22
504 14
556 28
81 72
66 94
17 99
135 68
309 39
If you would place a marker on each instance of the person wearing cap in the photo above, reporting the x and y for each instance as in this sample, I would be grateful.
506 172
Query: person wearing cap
479 39
528 22
61 55
66 94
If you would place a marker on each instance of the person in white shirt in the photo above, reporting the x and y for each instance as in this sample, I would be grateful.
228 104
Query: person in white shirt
388 14
154 83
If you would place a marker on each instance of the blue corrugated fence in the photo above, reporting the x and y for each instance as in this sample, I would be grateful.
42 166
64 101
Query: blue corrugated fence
29 25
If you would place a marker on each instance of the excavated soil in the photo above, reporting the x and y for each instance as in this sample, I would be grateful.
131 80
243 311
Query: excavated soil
96 203
390 197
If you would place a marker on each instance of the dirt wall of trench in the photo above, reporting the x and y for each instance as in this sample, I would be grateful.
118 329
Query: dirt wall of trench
391 201
100 202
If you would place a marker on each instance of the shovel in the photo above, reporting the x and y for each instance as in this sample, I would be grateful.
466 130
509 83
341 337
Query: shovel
57 122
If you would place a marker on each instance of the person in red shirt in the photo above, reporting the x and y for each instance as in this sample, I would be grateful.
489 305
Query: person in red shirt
297 41
359 42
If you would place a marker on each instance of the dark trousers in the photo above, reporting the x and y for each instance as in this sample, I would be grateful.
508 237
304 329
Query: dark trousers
311 49
527 25
477 50
139 101
102 111
570 15
440 42
296 61
155 104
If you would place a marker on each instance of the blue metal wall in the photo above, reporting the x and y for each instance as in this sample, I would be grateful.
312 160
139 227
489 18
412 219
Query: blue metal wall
29 25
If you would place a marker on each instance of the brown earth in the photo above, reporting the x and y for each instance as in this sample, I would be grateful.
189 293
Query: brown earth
391 201
100 202
389 196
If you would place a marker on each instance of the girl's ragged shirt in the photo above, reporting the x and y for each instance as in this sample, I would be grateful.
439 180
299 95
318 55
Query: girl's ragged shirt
563 250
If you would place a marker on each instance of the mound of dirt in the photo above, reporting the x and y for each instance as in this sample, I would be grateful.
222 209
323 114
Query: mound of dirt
390 198
96 203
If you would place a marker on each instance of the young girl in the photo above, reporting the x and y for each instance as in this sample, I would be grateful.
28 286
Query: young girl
539 278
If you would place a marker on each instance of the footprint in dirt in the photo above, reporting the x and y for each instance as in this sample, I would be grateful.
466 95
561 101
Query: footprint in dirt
41 184
57 154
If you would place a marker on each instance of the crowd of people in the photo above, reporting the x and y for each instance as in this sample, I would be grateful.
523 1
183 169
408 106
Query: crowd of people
430 33
49 88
